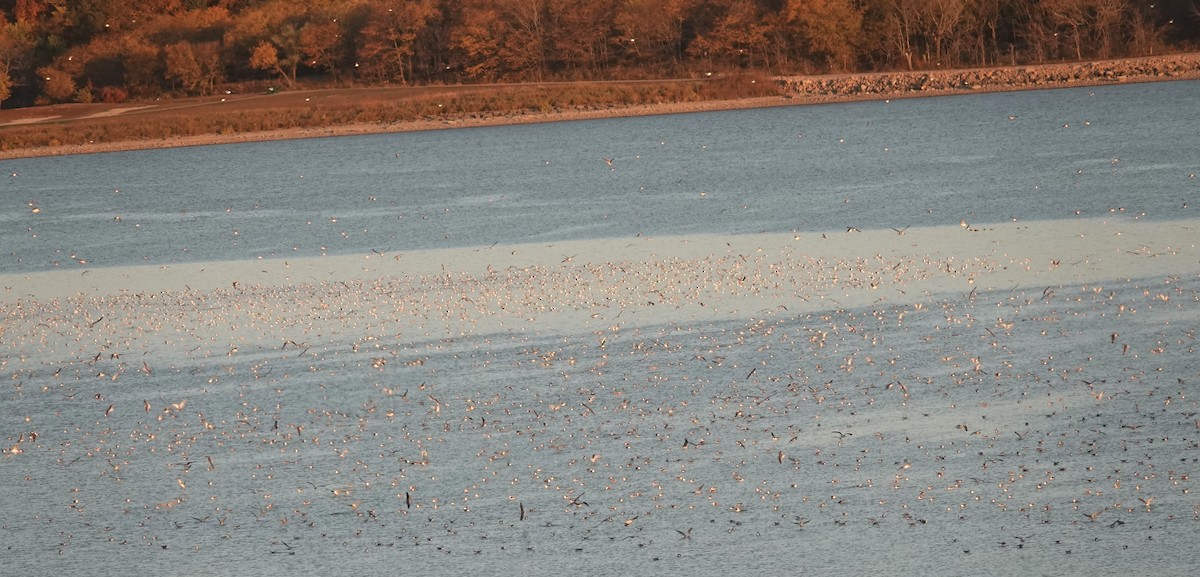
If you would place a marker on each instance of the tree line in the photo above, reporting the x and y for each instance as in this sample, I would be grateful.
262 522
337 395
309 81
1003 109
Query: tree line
112 50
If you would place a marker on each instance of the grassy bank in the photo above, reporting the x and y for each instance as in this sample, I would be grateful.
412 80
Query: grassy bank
289 111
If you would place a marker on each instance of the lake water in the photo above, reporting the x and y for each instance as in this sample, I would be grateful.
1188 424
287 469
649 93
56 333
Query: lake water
869 165
933 336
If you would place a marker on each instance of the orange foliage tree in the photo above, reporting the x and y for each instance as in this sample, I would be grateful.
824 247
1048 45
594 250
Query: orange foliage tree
148 47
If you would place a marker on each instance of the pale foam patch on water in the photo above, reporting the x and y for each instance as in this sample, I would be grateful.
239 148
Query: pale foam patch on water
848 267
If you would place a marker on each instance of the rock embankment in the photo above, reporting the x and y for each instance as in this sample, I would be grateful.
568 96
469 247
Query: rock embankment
929 83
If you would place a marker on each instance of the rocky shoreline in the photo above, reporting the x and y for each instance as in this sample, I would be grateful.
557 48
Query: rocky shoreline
931 83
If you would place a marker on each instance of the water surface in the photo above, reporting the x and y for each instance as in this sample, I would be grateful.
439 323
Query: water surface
916 336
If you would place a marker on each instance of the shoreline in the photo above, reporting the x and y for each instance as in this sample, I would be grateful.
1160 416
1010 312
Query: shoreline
795 91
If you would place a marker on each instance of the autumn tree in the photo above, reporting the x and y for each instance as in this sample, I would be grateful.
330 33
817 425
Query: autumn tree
504 39
142 65
1148 34
477 39
435 57
99 60
385 44
827 30
196 67
652 31
275 23
265 56
1036 33
1108 16
29 11
583 33
985 26
65 48
143 55
322 47
57 84
16 56
1070 17
893 29
737 34
90 18
5 86
280 52
200 25
940 25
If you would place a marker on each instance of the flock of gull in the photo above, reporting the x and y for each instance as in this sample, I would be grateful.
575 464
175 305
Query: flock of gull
766 405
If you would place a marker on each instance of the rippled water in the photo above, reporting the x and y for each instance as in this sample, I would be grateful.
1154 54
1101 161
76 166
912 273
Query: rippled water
741 407
869 165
